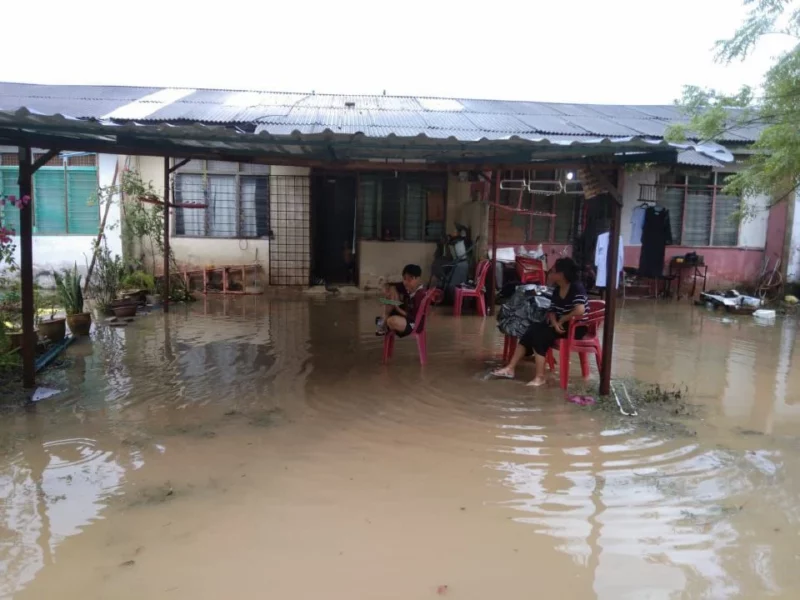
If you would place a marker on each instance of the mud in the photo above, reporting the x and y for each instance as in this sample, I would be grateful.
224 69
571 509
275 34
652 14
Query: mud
256 447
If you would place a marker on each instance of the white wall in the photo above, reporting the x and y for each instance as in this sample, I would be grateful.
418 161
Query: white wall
197 252
753 232
55 252
793 268
630 199
385 260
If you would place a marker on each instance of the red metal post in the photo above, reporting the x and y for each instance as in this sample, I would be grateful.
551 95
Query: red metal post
166 291
495 196
612 277
26 268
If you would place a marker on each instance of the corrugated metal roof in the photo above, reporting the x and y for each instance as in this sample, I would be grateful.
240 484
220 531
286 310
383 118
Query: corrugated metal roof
695 159
469 119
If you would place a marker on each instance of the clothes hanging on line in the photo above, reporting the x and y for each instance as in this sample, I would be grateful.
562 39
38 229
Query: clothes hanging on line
601 259
637 224
656 236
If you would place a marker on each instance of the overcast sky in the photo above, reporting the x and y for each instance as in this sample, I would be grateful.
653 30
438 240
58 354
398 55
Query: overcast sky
607 51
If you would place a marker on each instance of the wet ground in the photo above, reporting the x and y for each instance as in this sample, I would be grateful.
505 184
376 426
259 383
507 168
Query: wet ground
257 448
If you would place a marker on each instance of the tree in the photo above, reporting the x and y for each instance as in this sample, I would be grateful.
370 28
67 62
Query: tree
773 167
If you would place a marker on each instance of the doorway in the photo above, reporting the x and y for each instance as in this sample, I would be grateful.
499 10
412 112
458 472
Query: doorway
333 205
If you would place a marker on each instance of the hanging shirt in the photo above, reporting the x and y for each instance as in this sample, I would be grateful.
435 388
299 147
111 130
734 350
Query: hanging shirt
656 235
601 259
637 224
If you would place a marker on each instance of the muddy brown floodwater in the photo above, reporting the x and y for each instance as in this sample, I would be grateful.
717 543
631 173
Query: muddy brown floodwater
257 448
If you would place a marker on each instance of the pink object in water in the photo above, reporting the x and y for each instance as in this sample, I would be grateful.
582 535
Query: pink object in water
581 400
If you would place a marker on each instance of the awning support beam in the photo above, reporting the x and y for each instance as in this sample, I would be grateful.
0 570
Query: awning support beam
27 167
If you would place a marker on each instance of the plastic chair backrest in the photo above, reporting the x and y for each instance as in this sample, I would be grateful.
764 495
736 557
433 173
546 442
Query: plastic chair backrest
425 308
480 274
592 319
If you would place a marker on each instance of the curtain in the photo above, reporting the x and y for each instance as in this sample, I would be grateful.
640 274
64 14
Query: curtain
222 206
190 221
697 227
248 206
726 227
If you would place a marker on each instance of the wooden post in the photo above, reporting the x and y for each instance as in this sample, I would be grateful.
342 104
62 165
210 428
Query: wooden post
612 277
102 230
165 291
26 268
495 199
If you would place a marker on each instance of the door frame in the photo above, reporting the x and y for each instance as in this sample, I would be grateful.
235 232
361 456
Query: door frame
320 172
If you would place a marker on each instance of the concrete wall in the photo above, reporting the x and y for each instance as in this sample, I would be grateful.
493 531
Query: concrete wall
386 260
197 252
55 252
793 265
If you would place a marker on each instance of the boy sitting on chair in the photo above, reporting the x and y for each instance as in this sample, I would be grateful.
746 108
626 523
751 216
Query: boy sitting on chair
402 302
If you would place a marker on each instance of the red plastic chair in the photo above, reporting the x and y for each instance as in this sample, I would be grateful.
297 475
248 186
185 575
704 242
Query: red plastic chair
420 328
588 344
530 270
475 291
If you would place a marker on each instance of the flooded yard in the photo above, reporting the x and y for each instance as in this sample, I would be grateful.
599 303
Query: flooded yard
257 448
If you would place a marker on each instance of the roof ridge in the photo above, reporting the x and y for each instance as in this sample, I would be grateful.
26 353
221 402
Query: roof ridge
334 94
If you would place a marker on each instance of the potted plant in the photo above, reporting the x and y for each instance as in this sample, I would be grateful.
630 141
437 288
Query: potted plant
52 329
106 278
68 286
138 285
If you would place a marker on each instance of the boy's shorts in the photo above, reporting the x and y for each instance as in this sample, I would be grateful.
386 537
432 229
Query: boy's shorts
409 326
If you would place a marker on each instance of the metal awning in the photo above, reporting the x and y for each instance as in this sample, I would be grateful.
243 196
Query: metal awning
24 127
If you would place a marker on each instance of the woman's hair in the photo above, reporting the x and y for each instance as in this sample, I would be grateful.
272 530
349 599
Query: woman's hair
567 267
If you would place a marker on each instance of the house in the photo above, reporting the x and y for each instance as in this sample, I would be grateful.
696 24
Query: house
302 223
67 211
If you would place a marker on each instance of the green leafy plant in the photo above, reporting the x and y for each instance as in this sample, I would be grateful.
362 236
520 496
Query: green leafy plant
139 280
142 233
68 287
106 278
773 164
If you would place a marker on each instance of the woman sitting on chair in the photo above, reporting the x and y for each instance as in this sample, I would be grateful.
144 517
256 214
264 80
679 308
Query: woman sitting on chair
569 302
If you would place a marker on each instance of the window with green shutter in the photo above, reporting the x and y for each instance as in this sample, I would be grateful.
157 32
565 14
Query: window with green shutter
49 201
64 200
83 211
9 215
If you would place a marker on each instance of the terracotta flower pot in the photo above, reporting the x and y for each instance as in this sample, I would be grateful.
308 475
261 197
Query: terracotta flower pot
125 311
80 323
15 338
53 330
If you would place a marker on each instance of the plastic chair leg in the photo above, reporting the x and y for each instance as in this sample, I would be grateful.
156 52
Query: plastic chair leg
422 346
551 360
509 347
459 298
584 358
564 358
481 304
598 355
387 347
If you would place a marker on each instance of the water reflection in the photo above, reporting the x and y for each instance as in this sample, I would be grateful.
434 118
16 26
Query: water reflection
49 490
639 513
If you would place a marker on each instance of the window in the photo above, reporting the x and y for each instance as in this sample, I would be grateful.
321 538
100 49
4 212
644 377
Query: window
64 196
700 214
235 199
409 207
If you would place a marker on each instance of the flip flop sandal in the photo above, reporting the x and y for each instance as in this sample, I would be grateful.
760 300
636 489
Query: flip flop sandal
497 375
